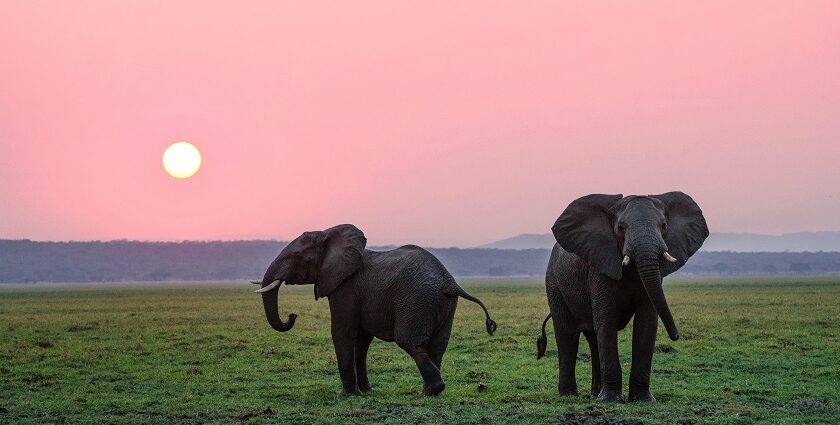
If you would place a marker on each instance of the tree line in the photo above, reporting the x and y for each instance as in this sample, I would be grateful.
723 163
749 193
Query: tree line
23 261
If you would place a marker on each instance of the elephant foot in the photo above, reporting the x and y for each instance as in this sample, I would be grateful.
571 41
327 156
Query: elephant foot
433 388
641 396
364 387
593 394
610 396
350 391
568 391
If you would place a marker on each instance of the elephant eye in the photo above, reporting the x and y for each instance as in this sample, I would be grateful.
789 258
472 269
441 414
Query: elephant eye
664 227
621 228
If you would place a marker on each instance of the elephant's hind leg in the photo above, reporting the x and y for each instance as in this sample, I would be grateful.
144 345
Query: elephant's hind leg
592 339
363 340
417 346
432 381
567 348
440 340
567 338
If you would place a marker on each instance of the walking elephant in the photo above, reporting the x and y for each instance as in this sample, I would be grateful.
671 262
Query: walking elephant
403 295
607 267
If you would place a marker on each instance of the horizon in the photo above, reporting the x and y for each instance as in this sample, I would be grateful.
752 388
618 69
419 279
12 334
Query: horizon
375 244
437 124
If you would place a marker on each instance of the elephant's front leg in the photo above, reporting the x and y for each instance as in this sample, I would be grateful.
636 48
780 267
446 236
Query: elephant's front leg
610 365
344 332
644 338
363 340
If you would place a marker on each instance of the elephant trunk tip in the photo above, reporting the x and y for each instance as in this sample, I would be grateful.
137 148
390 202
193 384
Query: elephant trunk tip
671 328
290 322
284 326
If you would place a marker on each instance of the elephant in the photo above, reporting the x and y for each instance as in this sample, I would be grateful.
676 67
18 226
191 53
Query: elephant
404 295
606 268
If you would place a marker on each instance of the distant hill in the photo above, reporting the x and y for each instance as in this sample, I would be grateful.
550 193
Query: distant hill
523 241
23 261
736 242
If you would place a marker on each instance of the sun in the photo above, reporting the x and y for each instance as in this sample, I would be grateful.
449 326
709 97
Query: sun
181 160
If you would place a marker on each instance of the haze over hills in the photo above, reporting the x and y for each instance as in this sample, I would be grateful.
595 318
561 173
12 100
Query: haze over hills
523 241
23 261
735 242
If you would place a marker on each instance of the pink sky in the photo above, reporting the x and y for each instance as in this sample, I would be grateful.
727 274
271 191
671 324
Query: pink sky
434 123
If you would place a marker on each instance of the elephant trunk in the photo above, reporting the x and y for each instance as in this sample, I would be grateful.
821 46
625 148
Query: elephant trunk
272 314
647 263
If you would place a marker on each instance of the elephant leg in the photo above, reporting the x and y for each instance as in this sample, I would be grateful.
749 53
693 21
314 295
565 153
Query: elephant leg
344 334
432 381
567 347
437 346
363 340
415 342
607 340
440 340
592 339
644 339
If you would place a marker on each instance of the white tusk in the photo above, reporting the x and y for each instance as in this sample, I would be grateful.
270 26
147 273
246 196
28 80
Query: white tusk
256 282
626 261
269 287
669 257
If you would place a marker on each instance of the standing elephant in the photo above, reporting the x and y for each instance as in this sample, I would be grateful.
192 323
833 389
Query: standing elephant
606 268
404 295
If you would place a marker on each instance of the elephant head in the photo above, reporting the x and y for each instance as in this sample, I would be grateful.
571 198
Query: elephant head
656 234
323 258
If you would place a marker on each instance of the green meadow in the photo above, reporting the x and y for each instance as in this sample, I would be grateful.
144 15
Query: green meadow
753 350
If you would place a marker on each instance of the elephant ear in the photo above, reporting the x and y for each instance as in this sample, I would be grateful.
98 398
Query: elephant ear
586 228
340 258
686 229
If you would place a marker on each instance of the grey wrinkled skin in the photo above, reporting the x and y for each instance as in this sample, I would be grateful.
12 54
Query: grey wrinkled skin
404 295
590 292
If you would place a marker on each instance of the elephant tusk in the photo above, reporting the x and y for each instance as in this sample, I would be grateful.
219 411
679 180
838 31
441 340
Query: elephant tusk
256 282
626 261
269 287
669 257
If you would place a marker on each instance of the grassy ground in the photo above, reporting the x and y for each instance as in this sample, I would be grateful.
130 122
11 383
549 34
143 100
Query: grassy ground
752 350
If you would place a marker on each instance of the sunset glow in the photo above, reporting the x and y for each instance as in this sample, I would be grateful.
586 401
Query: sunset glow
448 123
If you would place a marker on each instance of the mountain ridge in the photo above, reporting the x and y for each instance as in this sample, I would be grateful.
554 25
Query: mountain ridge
825 241
24 261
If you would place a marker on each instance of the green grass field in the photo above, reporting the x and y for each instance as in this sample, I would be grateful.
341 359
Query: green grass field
752 350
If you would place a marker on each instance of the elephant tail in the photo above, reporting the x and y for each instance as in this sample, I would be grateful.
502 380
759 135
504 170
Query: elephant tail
491 325
542 341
